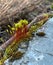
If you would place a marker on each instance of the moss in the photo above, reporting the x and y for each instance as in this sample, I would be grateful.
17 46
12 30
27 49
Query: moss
21 23
16 55
16 26
11 49
52 6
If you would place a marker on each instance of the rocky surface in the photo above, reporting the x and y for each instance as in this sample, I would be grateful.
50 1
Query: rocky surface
40 50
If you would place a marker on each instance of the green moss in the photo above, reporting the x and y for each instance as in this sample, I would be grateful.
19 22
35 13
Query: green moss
11 49
52 6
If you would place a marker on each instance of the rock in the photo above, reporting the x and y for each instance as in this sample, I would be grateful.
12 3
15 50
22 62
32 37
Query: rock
41 34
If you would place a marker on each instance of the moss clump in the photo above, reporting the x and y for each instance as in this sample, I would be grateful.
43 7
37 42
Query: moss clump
11 49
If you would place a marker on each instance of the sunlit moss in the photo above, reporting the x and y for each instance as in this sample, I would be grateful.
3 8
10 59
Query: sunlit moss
16 26
11 49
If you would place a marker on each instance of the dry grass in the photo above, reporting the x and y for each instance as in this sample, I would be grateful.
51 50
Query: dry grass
9 8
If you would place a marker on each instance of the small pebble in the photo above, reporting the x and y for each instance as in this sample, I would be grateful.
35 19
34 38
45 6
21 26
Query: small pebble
40 34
